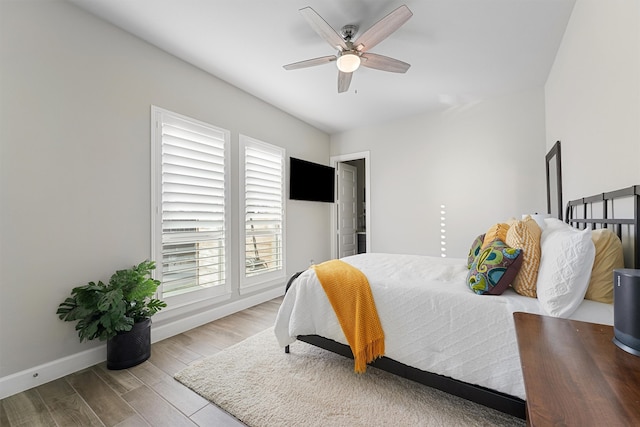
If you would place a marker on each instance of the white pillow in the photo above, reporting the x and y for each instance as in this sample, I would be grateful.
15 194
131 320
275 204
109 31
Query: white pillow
566 261
555 223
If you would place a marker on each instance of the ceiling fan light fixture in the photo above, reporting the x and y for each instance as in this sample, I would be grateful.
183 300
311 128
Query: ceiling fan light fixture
350 51
348 62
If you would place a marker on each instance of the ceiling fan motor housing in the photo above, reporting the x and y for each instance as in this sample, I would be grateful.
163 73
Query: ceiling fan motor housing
348 31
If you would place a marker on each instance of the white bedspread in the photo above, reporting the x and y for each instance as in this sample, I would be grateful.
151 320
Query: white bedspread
431 319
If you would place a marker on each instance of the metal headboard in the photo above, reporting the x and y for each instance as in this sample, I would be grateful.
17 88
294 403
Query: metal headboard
599 211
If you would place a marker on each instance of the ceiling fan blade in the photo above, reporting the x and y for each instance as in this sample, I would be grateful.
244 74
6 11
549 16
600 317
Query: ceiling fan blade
344 80
383 28
384 63
310 62
323 29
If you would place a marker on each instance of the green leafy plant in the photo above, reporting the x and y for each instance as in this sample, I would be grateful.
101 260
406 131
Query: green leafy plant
102 311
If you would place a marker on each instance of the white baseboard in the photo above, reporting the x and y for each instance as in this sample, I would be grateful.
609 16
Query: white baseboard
38 375
162 330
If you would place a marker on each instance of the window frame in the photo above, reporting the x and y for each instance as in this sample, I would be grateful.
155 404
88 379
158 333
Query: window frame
216 293
271 278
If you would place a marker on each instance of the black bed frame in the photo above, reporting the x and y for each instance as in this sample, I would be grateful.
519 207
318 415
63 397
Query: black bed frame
599 212
580 214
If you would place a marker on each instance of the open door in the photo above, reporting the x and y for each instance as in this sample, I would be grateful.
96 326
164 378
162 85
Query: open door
347 210
360 161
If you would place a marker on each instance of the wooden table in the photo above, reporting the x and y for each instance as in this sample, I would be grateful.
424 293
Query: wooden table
574 375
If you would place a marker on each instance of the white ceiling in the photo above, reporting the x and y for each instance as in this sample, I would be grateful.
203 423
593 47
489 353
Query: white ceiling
460 51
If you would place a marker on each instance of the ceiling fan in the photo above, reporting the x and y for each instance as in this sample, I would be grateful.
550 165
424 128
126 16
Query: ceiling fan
353 53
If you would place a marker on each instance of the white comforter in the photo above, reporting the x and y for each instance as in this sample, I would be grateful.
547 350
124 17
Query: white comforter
431 319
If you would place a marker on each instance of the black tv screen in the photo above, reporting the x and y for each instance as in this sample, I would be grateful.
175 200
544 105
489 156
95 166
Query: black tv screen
311 181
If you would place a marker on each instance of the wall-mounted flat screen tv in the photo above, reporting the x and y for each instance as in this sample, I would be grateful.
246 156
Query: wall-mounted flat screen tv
311 181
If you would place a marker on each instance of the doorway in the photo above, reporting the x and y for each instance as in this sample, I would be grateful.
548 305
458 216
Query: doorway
351 219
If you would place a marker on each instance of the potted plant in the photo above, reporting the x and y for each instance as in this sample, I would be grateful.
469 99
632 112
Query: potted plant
118 312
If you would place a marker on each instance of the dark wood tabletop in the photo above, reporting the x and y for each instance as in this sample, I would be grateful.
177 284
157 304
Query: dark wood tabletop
575 375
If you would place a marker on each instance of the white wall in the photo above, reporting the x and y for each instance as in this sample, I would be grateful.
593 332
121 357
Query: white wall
484 162
593 98
75 165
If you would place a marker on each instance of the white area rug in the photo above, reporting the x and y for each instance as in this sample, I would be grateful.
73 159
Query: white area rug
262 386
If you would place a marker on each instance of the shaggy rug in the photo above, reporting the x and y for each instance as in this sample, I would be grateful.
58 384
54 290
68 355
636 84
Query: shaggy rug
259 384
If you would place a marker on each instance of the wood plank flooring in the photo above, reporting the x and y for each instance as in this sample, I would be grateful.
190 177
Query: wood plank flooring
145 395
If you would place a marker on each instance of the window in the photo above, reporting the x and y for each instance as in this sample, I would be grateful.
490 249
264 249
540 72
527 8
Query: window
262 204
189 203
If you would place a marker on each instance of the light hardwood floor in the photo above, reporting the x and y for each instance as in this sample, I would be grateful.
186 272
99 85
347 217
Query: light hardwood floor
145 395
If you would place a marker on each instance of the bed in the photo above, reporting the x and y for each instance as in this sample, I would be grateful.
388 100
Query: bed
440 332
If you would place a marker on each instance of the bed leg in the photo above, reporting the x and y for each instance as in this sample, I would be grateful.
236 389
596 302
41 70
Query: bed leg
286 349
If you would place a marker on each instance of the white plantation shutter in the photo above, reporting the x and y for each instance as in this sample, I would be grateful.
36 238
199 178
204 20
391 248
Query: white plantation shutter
263 184
192 207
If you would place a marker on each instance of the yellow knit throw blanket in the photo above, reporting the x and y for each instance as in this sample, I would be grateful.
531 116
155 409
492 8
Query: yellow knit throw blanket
350 295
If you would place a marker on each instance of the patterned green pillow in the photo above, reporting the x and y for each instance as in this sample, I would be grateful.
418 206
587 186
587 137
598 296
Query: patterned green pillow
475 249
494 269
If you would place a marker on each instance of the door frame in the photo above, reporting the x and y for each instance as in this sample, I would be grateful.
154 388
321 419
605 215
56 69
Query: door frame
334 160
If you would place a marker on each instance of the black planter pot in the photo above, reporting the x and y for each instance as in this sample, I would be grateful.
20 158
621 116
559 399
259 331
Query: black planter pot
130 348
